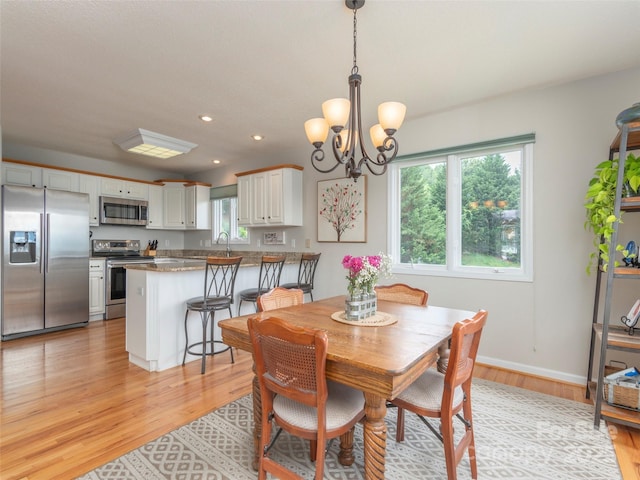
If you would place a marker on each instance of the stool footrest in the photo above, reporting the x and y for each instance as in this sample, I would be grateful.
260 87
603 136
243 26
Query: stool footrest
209 343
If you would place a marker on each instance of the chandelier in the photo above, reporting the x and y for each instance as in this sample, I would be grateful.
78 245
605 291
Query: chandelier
344 118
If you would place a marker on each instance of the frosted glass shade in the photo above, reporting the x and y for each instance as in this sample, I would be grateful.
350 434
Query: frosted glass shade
391 115
336 112
378 135
317 130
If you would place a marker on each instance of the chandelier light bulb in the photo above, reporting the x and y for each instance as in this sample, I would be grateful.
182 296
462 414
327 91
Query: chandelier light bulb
336 113
377 135
317 130
391 116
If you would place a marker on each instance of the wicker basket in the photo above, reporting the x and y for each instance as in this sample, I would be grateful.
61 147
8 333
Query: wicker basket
622 391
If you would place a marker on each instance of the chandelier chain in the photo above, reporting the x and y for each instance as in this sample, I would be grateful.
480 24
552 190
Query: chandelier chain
354 70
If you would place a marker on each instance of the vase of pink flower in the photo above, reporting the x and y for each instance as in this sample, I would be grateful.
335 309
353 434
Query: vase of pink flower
363 274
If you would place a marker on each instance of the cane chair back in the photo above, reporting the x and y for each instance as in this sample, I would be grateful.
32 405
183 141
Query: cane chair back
402 293
290 368
280 297
448 395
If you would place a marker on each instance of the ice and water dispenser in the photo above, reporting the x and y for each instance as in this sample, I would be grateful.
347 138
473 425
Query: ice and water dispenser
22 248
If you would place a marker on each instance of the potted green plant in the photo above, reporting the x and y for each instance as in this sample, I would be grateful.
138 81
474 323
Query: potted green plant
600 204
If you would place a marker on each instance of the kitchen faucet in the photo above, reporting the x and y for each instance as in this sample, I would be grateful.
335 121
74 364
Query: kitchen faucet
228 247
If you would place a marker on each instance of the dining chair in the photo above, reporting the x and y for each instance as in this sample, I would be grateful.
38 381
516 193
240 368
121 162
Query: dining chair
219 281
290 366
402 293
444 396
280 297
306 273
268 278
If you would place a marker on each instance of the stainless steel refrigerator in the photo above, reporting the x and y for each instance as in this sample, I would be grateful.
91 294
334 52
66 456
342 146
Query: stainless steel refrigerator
45 260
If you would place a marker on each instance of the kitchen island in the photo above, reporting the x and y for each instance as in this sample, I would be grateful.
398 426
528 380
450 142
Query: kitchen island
156 304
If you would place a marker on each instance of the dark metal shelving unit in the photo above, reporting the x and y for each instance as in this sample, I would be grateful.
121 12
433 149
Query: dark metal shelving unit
604 335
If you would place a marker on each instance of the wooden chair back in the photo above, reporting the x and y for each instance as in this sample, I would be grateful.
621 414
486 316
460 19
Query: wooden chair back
464 348
402 293
280 297
290 362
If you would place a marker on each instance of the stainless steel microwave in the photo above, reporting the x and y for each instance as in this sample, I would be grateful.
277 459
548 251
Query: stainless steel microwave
123 211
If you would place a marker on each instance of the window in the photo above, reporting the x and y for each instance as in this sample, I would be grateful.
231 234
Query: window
225 219
464 212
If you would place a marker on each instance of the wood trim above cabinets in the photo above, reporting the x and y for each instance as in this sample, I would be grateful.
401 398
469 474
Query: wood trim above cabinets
266 169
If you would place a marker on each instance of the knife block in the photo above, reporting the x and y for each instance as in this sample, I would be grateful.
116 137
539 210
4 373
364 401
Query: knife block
149 253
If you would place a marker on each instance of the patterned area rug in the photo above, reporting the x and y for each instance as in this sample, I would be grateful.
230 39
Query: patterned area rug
519 434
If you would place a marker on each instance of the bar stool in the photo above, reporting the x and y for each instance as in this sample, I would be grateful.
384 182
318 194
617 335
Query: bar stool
306 273
269 277
219 281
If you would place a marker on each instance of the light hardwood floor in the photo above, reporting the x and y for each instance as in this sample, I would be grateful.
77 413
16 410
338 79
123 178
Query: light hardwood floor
71 401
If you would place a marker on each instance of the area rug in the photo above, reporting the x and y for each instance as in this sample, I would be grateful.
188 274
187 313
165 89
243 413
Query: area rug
519 434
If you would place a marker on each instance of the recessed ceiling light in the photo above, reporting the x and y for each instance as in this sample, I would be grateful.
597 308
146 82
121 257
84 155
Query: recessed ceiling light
216 161
153 144
205 118
257 138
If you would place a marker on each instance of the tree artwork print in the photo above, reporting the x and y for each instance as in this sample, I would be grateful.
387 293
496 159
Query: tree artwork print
341 210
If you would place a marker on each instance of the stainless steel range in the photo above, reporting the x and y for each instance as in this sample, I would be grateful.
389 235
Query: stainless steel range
118 253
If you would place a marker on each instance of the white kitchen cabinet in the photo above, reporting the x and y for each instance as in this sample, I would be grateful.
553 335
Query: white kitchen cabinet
174 206
244 200
270 197
197 207
115 187
96 287
91 185
18 174
156 207
59 179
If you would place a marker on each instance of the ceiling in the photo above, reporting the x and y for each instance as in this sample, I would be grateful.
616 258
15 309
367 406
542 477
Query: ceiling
77 74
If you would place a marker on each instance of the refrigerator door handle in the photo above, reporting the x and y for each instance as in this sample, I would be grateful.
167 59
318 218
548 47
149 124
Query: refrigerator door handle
47 237
41 243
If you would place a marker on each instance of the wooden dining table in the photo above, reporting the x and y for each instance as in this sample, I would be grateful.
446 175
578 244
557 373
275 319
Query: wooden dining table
381 361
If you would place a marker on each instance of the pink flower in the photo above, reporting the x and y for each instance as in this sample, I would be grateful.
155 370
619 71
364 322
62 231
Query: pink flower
374 261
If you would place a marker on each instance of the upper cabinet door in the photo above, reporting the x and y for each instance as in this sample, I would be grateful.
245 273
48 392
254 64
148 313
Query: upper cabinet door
259 204
115 187
198 207
17 174
60 180
90 185
156 207
244 200
174 211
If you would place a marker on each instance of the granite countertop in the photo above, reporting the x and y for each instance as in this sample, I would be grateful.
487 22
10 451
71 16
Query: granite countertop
172 266
187 260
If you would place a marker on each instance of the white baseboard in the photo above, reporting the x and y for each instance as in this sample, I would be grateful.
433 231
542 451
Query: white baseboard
540 372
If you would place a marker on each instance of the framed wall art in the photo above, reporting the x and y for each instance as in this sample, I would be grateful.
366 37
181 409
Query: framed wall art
342 210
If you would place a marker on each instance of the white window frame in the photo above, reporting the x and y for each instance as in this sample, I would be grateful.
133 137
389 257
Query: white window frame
216 224
453 266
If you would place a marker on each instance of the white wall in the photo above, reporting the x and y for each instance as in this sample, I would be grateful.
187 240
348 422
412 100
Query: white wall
542 327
